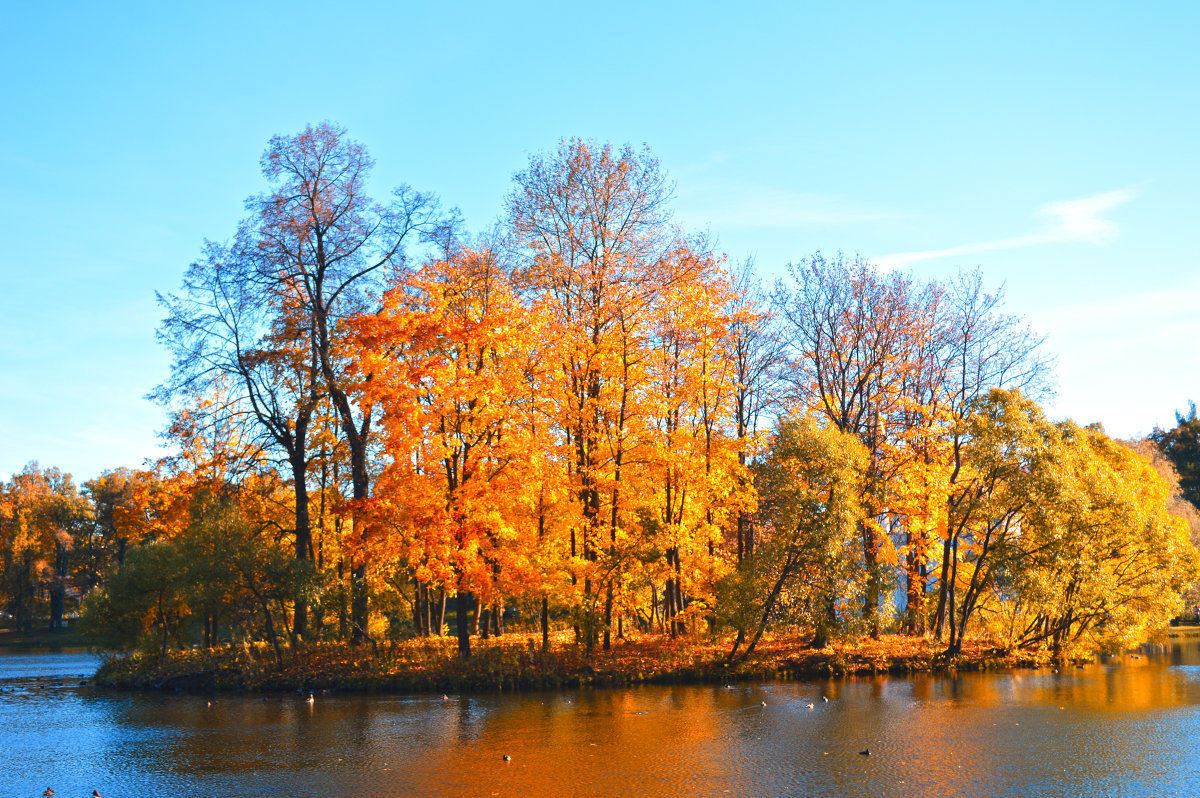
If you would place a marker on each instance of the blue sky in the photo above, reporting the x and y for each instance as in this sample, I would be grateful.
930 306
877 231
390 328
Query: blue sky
1054 148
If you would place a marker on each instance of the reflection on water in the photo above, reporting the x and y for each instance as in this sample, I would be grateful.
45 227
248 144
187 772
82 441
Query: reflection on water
1129 727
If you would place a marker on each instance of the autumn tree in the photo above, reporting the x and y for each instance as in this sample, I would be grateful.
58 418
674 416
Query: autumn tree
234 559
689 398
900 365
267 312
587 222
810 488
1109 563
142 604
1008 478
123 500
449 358
755 351
853 339
981 347
42 519
1060 536
230 339
320 238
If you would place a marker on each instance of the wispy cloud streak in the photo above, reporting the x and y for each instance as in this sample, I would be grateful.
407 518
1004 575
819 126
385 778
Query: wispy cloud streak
1081 220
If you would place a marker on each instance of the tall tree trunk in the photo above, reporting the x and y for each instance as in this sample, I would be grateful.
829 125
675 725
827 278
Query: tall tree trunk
462 610
574 582
654 607
357 438
677 626
162 627
343 609
24 609
951 612
608 614
915 592
944 590
359 610
768 606
440 616
824 630
303 533
669 608
612 553
871 561
58 588
420 609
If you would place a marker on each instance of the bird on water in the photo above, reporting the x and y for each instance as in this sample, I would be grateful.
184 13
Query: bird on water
49 793
507 758
865 752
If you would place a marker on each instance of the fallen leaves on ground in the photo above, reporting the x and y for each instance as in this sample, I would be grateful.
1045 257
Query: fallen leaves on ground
516 661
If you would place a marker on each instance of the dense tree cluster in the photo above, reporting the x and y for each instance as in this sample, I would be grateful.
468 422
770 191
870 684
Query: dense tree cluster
589 419
58 543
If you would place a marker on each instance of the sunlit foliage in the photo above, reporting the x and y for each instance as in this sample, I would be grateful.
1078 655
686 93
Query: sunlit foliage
588 423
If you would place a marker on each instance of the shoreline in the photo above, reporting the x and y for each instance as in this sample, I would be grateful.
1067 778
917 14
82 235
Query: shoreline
513 663
67 641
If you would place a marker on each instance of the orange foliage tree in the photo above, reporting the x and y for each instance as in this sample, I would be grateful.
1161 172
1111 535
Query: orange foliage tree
589 222
449 358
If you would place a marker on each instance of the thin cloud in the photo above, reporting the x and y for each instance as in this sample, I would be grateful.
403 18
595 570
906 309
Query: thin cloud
746 206
1077 220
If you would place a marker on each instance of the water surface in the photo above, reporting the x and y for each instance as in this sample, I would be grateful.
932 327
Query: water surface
1131 727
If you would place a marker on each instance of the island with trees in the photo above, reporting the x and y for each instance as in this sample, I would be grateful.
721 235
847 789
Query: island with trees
585 448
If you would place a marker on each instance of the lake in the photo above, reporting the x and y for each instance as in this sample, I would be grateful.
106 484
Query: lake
1129 727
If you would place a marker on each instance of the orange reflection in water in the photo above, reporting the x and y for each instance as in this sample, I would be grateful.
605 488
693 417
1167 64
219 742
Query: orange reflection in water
1120 728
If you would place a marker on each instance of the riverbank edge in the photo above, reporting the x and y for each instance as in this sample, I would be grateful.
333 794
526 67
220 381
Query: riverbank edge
42 640
515 666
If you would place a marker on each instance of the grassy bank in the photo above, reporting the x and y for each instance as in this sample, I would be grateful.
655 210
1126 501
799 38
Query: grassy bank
515 662
41 640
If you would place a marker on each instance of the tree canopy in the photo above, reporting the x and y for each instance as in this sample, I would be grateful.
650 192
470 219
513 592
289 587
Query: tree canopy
588 419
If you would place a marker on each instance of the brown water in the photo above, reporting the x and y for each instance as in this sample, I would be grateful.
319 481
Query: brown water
1131 727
